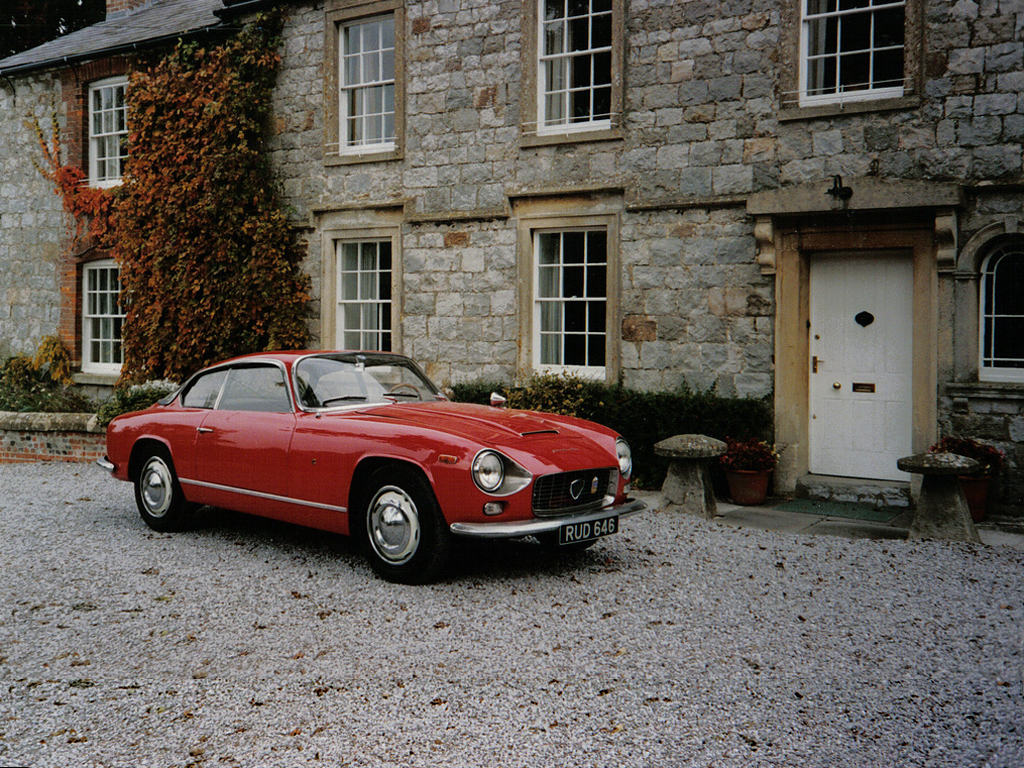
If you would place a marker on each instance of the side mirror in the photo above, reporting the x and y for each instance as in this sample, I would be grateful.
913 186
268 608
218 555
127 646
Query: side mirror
497 400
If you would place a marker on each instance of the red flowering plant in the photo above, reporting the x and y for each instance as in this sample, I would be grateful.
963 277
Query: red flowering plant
748 456
989 457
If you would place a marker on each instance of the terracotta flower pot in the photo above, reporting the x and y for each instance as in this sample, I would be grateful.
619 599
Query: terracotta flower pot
748 487
976 492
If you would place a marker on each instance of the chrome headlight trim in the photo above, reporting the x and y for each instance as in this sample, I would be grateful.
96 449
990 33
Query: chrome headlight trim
625 457
513 477
488 471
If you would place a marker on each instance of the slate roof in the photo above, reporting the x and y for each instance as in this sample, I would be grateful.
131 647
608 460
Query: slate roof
161 20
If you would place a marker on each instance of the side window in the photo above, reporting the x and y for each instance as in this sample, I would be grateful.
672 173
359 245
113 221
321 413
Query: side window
204 391
108 132
571 300
364 295
256 388
851 50
1002 314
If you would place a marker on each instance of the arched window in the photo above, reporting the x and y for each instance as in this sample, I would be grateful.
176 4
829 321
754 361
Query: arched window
1002 313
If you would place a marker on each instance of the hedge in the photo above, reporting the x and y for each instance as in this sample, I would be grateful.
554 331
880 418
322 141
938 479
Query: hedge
643 418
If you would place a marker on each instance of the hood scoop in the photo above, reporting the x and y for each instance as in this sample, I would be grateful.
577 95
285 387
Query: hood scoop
539 432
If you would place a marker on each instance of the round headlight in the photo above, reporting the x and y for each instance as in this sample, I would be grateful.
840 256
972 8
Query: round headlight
488 471
625 458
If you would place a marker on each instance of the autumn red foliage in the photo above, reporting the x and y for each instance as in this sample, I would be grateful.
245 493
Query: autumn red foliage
210 266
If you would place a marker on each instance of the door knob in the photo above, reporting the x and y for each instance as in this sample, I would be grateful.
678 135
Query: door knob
836 385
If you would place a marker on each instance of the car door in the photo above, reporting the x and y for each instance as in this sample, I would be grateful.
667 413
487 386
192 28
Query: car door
242 445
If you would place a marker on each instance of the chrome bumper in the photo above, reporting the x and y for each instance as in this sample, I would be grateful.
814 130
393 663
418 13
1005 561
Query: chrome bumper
513 528
106 464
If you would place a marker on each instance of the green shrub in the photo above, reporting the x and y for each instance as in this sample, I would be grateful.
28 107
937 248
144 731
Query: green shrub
24 388
643 418
134 398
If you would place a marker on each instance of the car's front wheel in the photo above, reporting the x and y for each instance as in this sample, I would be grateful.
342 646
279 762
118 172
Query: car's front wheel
401 526
158 494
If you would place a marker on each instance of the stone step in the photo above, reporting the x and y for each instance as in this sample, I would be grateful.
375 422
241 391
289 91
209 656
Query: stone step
877 493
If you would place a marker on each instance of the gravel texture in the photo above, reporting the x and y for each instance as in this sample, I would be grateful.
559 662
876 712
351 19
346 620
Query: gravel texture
677 642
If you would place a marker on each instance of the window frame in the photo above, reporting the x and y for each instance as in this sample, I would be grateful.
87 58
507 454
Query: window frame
530 227
89 365
533 131
997 250
841 96
793 105
341 14
559 268
95 139
340 330
353 225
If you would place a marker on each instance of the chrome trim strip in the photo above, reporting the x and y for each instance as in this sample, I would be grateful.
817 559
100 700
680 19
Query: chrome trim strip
513 528
260 495
106 464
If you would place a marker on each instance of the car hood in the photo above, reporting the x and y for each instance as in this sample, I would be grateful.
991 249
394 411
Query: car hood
495 426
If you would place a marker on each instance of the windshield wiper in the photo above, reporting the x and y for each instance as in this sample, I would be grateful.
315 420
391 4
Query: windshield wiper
343 399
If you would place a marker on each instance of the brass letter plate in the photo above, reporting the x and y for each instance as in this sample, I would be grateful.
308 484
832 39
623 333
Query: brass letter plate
862 387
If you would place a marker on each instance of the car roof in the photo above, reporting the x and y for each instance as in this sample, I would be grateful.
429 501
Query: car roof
290 356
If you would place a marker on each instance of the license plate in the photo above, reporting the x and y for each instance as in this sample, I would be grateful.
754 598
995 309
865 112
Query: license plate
575 533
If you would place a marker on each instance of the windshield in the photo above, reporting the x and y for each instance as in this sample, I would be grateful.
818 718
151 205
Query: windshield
331 381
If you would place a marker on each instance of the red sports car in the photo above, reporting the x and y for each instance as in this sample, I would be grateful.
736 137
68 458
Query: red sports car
362 443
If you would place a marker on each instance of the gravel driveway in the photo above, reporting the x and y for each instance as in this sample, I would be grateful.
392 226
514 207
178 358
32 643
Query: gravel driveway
676 643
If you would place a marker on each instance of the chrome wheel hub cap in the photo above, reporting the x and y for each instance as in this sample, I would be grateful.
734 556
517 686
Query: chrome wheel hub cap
156 487
394 525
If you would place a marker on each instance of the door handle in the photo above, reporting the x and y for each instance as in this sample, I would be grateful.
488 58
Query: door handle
203 430
814 364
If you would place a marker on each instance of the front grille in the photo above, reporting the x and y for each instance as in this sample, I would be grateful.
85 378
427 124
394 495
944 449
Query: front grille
572 491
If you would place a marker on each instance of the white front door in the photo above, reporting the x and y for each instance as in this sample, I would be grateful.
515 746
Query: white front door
861 347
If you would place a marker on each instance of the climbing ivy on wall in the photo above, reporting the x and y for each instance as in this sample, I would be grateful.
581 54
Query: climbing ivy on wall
209 265
88 207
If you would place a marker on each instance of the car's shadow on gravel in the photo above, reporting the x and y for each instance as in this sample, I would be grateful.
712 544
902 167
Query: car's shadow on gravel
469 559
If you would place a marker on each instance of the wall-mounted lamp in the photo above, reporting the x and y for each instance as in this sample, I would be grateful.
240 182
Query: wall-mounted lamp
838 191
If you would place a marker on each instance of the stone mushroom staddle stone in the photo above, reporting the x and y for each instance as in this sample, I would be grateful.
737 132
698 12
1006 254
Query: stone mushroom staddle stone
942 511
687 485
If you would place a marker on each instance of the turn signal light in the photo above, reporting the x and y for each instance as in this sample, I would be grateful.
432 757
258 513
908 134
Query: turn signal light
492 508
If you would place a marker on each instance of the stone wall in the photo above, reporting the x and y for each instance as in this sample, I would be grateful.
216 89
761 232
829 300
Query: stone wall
26 437
689 276
702 129
994 414
32 222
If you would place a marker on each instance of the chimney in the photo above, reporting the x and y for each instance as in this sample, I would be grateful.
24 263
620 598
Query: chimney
117 8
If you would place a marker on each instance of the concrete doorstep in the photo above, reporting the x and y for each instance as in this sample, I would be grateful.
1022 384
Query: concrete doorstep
834 520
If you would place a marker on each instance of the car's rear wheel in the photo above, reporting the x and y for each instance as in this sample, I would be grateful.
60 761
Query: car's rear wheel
401 526
158 494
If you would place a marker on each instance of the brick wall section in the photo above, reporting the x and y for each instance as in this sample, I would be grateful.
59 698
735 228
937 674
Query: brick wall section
26 437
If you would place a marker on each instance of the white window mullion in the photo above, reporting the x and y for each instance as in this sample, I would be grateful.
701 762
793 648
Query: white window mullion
827 75
108 132
1001 332
364 316
102 318
570 285
366 86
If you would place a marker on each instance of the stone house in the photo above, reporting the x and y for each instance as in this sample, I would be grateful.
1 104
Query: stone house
818 201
